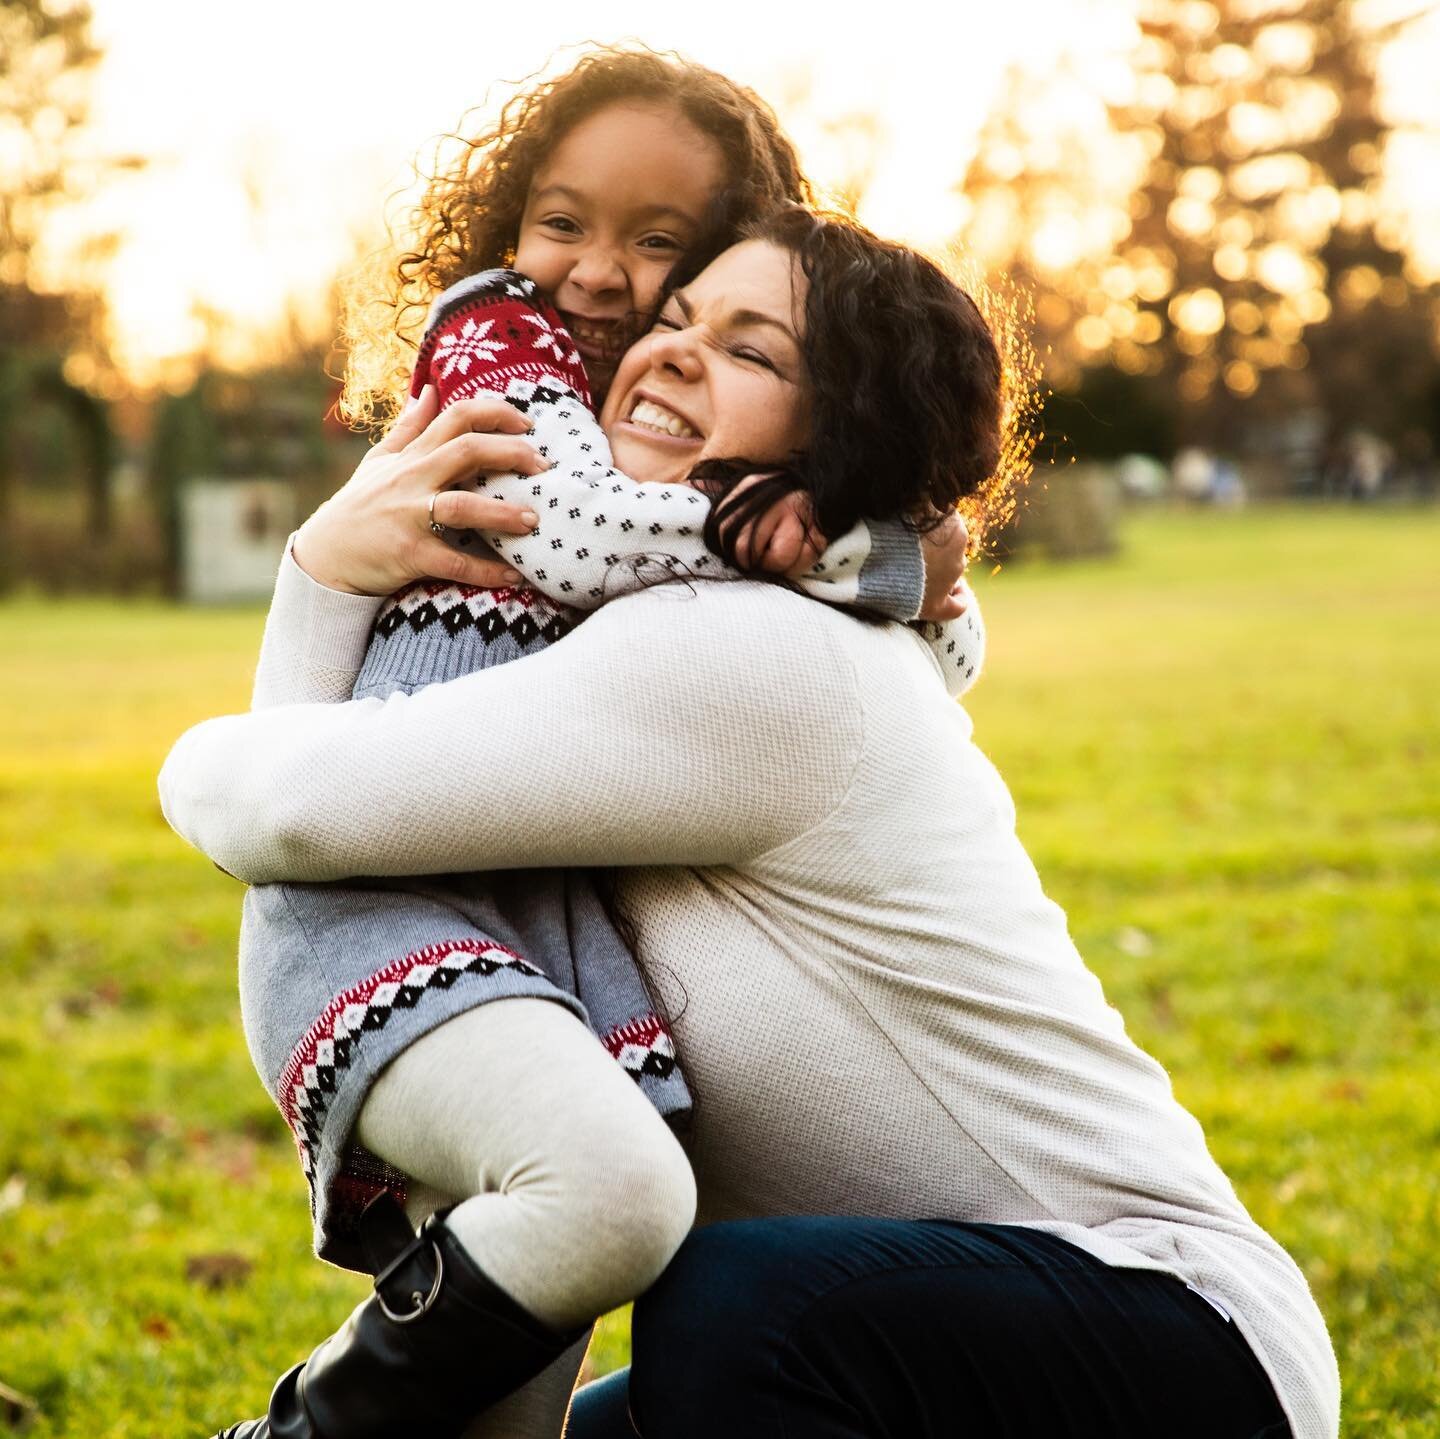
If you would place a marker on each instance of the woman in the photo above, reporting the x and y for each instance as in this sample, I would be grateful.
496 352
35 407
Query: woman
882 1013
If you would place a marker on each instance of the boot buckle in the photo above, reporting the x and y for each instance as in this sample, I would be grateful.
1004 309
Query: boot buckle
420 1302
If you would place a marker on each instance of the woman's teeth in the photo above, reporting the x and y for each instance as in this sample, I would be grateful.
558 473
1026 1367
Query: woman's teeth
650 416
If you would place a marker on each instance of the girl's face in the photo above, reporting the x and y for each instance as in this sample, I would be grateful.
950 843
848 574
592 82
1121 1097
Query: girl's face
612 208
721 376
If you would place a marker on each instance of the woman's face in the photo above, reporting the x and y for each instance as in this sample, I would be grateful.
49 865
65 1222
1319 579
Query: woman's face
614 206
722 374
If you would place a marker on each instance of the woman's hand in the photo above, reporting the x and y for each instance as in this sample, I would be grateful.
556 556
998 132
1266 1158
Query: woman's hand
373 535
945 549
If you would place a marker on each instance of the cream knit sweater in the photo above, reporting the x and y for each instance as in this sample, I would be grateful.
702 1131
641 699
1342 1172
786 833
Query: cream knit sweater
879 1009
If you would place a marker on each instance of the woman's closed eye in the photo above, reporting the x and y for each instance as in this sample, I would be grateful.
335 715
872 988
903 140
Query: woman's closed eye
753 356
741 352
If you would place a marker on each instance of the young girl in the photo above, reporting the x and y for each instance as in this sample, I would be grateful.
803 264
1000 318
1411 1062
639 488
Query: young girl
340 984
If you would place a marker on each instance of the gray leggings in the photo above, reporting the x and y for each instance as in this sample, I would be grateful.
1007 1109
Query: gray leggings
574 1192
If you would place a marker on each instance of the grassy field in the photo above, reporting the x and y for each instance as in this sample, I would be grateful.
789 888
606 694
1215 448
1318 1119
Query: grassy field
1225 749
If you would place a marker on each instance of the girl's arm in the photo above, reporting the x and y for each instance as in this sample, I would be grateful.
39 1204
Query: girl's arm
662 731
958 646
602 534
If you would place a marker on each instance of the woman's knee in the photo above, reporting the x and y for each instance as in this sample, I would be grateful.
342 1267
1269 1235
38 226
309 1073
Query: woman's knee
703 1332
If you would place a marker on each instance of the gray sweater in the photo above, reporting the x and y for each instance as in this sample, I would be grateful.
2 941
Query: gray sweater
878 1007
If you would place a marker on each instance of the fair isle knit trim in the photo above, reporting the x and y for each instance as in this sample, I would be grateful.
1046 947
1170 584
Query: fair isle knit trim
522 386
329 1046
522 613
643 1047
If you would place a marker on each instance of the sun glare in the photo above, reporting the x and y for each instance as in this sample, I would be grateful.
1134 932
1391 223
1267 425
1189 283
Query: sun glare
271 162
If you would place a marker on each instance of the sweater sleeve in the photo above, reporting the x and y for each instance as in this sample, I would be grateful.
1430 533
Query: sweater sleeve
659 732
602 534
958 647
315 640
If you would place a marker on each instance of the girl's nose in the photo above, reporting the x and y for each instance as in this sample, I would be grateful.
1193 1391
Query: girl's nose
599 271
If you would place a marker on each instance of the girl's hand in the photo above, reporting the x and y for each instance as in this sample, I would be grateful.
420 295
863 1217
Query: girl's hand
945 551
782 541
373 535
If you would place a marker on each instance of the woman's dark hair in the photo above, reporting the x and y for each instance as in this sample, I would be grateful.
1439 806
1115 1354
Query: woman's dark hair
469 216
906 385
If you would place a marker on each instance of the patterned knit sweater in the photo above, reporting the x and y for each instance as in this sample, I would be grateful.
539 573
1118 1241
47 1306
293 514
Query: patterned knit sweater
880 1010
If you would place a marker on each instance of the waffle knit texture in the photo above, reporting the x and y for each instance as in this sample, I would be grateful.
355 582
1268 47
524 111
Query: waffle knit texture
882 1011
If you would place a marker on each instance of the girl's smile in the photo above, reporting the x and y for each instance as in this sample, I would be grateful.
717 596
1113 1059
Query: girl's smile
600 232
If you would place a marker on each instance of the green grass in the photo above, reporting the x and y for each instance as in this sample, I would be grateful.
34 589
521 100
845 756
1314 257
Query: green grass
1223 747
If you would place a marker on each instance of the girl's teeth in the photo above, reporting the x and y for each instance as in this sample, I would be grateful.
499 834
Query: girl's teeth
653 417
601 337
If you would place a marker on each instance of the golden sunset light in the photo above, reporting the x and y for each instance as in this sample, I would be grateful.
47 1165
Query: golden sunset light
277 138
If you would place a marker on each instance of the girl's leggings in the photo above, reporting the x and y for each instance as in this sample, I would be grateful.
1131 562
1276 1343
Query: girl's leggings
830 1328
575 1192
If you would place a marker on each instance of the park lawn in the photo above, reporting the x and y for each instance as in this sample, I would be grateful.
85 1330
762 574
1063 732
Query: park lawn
1223 749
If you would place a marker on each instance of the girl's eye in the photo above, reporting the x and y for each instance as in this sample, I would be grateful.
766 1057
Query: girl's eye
660 242
561 223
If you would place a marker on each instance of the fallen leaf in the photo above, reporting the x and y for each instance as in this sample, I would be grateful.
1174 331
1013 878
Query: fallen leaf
1134 942
217 1271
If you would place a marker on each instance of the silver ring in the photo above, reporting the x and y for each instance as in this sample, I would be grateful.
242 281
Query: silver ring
435 526
421 1302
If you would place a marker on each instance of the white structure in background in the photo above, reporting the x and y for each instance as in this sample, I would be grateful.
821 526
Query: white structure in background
1207 479
1142 477
232 535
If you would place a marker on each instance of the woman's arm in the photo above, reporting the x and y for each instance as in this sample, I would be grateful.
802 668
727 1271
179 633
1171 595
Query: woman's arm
663 731
315 640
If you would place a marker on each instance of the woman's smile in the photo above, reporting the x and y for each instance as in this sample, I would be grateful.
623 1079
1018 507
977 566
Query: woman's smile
649 415
720 375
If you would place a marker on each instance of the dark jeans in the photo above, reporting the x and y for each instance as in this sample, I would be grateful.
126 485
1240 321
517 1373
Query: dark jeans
831 1328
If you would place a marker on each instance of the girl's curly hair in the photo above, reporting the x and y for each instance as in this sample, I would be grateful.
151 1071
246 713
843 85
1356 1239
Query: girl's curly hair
469 216
907 387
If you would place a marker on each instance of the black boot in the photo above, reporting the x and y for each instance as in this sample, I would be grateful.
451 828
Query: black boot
435 1344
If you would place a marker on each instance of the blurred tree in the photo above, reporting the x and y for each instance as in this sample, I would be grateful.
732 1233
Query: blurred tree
1226 238
50 338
